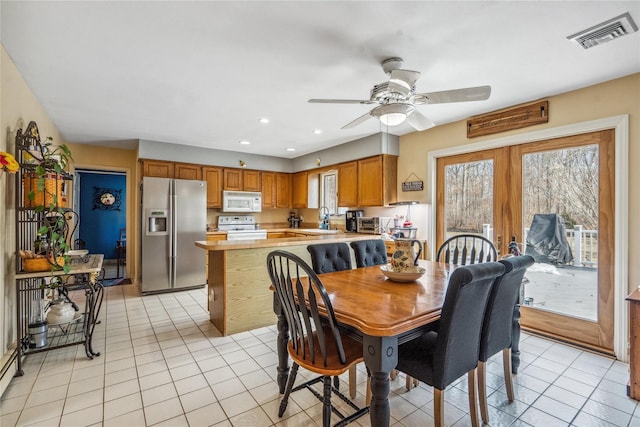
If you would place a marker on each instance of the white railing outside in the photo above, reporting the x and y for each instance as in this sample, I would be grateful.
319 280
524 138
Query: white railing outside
583 243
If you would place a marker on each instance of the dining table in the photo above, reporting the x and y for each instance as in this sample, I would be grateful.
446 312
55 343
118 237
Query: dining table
380 313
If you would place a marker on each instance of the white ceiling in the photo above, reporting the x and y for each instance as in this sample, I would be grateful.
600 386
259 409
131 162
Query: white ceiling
204 73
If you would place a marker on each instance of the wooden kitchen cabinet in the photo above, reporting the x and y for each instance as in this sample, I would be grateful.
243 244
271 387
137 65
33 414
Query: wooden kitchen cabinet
157 168
633 387
283 190
187 171
251 180
268 189
348 184
377 180
213 176
299 187
233 179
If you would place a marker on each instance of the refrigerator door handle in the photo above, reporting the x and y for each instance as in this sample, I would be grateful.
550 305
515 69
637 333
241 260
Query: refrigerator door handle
173 200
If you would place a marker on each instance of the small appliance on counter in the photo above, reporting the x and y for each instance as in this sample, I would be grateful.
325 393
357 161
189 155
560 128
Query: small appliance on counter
374 224
351 223
294 222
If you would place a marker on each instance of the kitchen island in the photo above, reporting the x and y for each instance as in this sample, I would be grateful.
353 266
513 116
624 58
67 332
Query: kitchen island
238 282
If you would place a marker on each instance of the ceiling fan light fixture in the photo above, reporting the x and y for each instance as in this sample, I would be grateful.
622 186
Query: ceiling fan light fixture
392 114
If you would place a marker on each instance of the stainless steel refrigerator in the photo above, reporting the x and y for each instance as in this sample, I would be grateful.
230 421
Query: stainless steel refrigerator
174 216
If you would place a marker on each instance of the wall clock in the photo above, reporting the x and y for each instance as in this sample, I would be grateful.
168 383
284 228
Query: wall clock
107 199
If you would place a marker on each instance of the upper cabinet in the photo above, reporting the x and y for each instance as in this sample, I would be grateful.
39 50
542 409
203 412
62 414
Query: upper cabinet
233 179
157 168
268 189
377 180
213 176
187 171
299 186
283 190
348 184
251 180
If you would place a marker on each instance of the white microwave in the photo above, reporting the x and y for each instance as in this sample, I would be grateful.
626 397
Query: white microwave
241 201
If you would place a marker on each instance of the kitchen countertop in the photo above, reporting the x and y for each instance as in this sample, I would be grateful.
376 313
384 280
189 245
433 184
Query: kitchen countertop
319 236
317 231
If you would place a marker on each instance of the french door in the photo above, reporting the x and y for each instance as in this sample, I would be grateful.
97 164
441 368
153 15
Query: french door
555 200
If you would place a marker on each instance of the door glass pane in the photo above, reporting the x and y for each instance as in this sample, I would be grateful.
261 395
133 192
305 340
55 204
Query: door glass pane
468 189
560 220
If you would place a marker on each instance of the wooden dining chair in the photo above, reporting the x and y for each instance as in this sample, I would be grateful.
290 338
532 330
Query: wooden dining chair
315 340
498 325
325 258
440 357
466 249
369 252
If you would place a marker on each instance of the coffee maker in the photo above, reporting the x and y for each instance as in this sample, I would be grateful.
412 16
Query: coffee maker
351 223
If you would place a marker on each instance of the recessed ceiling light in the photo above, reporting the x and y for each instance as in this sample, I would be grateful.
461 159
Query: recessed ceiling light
317 131
264 120
291 149
245 142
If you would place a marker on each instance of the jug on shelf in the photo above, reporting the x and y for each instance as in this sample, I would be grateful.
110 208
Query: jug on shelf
404 257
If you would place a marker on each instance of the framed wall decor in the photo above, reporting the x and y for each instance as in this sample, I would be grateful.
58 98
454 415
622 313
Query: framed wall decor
107 198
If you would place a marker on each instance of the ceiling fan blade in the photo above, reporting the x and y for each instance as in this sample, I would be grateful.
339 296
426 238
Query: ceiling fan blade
419 121
478 93
403 81
342 101
358 121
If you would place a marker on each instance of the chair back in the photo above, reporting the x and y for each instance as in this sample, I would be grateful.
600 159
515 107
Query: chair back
369 252
466 249
328 257
299 290
498 319
458 341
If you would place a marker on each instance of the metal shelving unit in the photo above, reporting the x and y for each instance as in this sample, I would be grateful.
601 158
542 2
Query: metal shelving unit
82 281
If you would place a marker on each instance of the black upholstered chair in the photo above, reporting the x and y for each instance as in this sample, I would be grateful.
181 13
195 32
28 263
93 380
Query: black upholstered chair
497 326
325 258
440 357
369 252
466 249
328 257
315 341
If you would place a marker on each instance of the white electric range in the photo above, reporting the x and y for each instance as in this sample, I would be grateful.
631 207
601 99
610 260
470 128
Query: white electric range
240 227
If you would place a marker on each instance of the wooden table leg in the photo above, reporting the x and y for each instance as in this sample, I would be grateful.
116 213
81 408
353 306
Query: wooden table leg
283 339
380 356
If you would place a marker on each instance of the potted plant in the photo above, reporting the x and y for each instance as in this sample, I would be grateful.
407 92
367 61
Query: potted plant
44 182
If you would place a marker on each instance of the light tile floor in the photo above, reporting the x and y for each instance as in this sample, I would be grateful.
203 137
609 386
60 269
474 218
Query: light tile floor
164 364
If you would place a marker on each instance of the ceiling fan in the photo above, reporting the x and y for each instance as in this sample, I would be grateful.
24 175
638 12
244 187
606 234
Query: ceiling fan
397 98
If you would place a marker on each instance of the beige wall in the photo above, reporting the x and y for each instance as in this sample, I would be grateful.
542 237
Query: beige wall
616 97
18 106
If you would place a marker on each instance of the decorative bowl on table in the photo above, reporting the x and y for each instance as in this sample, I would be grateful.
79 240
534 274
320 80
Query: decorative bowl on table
410 275
82 254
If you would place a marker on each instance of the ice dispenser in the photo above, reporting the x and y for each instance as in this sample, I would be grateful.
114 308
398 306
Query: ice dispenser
157 222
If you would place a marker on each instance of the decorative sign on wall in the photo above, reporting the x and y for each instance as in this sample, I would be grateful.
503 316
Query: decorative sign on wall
107 198
416 185
513 118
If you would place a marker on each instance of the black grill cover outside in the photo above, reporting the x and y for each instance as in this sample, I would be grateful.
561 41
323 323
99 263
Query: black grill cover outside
547 240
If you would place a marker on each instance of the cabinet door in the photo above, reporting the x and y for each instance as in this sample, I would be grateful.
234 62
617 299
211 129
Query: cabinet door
213 176
188 171
233 179
268 189
283 190
377 178
300 186
252 180
157 168
348 184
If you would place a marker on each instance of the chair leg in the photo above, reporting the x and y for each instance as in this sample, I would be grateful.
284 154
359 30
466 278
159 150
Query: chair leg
352 381
438 407
411 383
326 403
482 391
393 374
287 392
336 382
473 400
508 376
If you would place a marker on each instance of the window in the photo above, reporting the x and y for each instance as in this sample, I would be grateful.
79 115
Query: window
329 192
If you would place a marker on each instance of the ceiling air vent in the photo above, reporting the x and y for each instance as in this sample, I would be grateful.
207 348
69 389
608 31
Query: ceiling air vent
605 32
